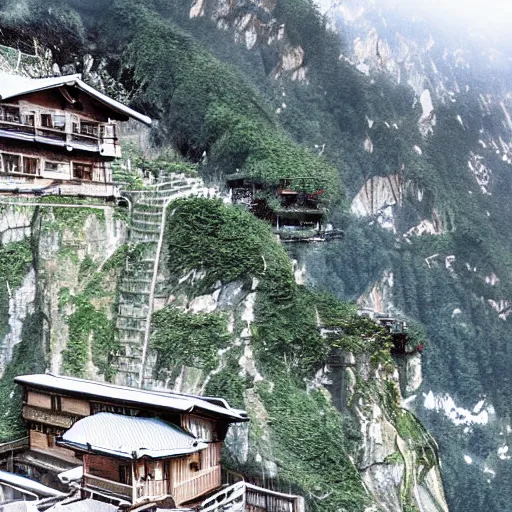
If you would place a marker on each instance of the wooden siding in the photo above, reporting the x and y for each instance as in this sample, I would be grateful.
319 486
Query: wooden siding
52 100
46 443
38 440
39 400
104 467
210 457
75 406
35 415
201 428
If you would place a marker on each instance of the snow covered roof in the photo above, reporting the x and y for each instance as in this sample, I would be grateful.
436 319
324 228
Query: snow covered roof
27 484
71 475
12 86
129 437
88 505
213 407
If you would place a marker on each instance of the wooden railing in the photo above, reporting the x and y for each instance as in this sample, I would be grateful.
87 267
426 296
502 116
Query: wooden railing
260 499
153 488
102 484
232 496
18 444
55 134
204 481
245 497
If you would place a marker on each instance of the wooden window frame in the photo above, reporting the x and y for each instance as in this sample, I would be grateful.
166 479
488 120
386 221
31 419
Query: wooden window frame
56 403
81 177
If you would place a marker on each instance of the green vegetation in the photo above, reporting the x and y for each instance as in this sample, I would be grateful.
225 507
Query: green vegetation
15 260
228 242
183 339
205 105
92 325
69 218
309 446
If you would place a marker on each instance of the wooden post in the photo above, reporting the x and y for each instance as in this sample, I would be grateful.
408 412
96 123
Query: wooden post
134 484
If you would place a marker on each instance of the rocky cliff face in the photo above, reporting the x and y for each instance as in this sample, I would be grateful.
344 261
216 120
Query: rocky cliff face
255 26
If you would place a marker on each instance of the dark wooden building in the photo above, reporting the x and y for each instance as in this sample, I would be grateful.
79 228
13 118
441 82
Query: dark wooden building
132 444
58 136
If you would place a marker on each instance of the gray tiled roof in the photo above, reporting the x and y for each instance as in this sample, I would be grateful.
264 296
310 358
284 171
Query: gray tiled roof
166 400
129 437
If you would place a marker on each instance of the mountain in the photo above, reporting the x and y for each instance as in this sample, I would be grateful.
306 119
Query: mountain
408 122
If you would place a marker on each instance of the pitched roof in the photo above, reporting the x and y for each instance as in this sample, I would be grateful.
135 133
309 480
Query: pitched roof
88 505
129 437
27 484
12 86
213 407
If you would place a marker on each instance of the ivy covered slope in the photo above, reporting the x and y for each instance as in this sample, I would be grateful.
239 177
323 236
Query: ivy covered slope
237 325
59 273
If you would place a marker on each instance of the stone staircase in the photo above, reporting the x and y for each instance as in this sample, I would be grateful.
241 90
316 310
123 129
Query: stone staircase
142 285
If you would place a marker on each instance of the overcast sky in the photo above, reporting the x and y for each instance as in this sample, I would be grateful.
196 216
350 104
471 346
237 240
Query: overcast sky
488 14
478 12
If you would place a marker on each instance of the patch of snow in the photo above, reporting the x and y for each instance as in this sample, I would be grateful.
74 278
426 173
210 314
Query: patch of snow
458 415
507 115
363 68
468 459
492 280
489 471
478 407
418 150
426 104
502 453
448 262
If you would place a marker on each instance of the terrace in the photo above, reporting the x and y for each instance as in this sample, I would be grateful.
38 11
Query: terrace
58 129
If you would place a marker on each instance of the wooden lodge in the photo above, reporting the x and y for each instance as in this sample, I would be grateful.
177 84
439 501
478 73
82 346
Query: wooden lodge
294 207
399 333
132 444
58 136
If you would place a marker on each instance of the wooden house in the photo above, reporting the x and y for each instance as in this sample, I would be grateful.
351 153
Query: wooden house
133 444
58 136
294 206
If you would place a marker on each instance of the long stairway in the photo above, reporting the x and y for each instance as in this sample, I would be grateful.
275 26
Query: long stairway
141 286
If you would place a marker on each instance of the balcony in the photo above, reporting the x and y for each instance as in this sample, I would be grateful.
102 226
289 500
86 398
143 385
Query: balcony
106 146
202 483
108 487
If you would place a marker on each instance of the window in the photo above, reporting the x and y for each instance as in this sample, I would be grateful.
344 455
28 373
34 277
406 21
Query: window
56 167
108 131
56 403
10 114
82 171
46 121
29 119
59 122
87 128
125 475
30 165
11 163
